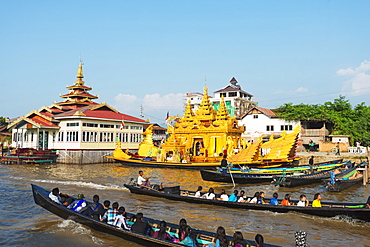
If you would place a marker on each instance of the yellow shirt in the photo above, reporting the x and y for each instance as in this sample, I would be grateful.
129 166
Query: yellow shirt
316 203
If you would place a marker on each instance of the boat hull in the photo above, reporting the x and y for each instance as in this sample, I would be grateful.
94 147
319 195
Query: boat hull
240 179
156 164
328 209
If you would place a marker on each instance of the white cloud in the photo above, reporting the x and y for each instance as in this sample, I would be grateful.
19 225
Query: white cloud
358 82
165 102
298 90
126 103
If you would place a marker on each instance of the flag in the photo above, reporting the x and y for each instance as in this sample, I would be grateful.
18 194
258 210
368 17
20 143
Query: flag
122 125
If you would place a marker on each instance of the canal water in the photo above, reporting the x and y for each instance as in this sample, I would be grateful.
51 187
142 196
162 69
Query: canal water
23 223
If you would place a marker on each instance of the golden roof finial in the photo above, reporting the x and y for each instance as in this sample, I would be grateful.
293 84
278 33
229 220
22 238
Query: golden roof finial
80 74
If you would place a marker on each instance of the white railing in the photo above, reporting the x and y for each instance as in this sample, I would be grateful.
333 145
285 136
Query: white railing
357 150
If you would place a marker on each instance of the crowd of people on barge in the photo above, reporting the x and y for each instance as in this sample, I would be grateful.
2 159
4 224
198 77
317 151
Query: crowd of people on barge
115 215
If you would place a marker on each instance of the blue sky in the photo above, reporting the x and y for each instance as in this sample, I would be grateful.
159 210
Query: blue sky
151 53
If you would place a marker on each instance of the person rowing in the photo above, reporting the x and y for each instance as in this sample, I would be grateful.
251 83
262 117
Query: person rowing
141 181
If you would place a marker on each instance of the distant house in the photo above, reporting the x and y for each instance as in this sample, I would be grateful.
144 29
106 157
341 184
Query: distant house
237 101
77 123
261 121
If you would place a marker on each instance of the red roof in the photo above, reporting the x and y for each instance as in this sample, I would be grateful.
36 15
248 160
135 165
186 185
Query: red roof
43 122
103 112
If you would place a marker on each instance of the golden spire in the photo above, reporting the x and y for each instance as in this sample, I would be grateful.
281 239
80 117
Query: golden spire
188 114
80 75
205 110
222 113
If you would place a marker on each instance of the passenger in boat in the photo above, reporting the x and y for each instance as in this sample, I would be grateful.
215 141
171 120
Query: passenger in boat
120 220
224 164
198 193
162 233
368 202
57 197
316 200
190 238
95 209
242 196
182 226
79 205
303 202
238 239
233 197
141 225
311 162
255 198
261 199
106 205
210 195
224 196
141 181
259 240
286 201
221 240
274 200
111 214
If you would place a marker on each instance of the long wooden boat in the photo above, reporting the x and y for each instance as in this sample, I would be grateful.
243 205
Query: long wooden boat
328 209
279 170
41 197
344 180
215 176
157 164
306 179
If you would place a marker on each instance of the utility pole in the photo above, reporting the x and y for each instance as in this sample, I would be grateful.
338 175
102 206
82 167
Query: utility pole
141 111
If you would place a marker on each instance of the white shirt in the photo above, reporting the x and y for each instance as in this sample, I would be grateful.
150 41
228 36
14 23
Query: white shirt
56 199
197 194
224 197
209 196
121 221
140 180
301 204
254 200
241 199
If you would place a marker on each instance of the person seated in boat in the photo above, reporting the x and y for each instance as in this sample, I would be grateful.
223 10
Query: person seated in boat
106 205
223 196
255 198
141 225
286 201
274 200
162 233
259 240
190 237
210 195
141 181
234 197
220 239
261 199
111 214
95 209
198 193
303 202
224 164
79 205
120 219
238 239
182 226
59 198
367 204
316 200
242 196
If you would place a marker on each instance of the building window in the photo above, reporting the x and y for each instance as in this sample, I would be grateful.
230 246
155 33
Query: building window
32 137
119 126
72 136
106 137
270 128
233 94
73 124
107 126
222 94
136 127
255 116
286 127
25 136
123 137
93 125
135 137
89 136
60 136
